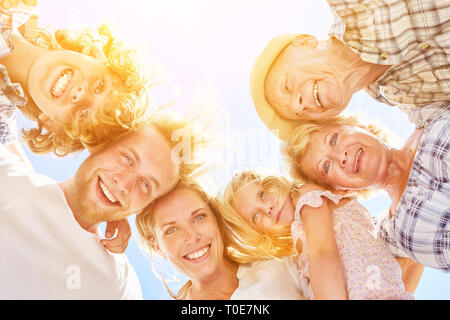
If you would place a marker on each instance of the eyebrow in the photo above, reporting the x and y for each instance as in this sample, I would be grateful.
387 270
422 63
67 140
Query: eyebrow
167 223
318 165
257 193
252 213
325 138
155 182
196 211
135 154
321 173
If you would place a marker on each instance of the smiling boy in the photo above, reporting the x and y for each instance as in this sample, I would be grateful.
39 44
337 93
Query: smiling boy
81 87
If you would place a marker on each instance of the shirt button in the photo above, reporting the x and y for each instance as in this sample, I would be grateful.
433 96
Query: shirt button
384 55
425 46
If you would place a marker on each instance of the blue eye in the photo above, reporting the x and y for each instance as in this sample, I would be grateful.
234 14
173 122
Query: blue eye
333 139
170 230
146 186
255 218
199 217
262 195
326 166
126 160
100 87
84 113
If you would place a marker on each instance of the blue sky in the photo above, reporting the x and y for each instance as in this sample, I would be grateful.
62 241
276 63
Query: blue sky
212 44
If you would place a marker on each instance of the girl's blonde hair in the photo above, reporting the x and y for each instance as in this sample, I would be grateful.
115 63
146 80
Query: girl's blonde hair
124 110
248 244
145 227
296 147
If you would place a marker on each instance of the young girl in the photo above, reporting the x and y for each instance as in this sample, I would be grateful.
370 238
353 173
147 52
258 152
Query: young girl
331 237
82 88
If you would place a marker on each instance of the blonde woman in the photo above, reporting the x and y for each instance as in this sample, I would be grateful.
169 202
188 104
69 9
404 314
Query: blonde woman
82 88
345 155
330 237
185 227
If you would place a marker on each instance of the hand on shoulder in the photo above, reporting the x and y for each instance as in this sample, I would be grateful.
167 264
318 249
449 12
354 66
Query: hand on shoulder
304 189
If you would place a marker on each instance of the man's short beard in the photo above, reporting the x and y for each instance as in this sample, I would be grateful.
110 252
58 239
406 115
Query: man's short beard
84 209
87 211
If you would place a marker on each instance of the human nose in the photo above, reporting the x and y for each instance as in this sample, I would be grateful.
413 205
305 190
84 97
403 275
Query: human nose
79 93
342 158
123 182
267 209
191 235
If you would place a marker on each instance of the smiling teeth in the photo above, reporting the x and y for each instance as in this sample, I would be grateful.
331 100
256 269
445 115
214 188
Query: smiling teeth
107 193
197 254
61 84
357 160
316 96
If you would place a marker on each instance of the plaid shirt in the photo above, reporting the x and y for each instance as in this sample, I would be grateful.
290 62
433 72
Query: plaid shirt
420 227
413 36
11 94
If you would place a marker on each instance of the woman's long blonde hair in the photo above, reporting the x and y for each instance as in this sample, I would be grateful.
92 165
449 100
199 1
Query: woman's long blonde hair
124 110
248 244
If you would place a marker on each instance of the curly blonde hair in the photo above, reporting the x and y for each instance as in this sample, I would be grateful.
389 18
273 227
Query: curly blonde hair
248 244
296 147
125 109
147 236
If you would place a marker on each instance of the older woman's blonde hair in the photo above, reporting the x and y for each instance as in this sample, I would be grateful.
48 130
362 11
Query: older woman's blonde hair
248 244
296 147
145 227
124 110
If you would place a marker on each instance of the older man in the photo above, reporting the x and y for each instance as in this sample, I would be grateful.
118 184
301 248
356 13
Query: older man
396 50
49 231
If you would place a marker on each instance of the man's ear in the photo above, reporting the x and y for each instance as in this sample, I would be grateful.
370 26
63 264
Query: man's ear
306 40
48 123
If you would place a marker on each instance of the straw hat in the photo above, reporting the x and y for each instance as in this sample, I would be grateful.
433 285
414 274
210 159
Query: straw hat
278 125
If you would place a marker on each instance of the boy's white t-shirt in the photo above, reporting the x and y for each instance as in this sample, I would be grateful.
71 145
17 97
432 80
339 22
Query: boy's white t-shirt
44 252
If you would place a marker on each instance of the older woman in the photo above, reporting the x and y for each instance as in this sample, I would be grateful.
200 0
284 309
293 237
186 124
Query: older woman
342 154
185 228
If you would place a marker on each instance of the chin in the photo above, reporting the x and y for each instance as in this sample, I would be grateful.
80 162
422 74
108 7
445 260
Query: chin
92 212
337 108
